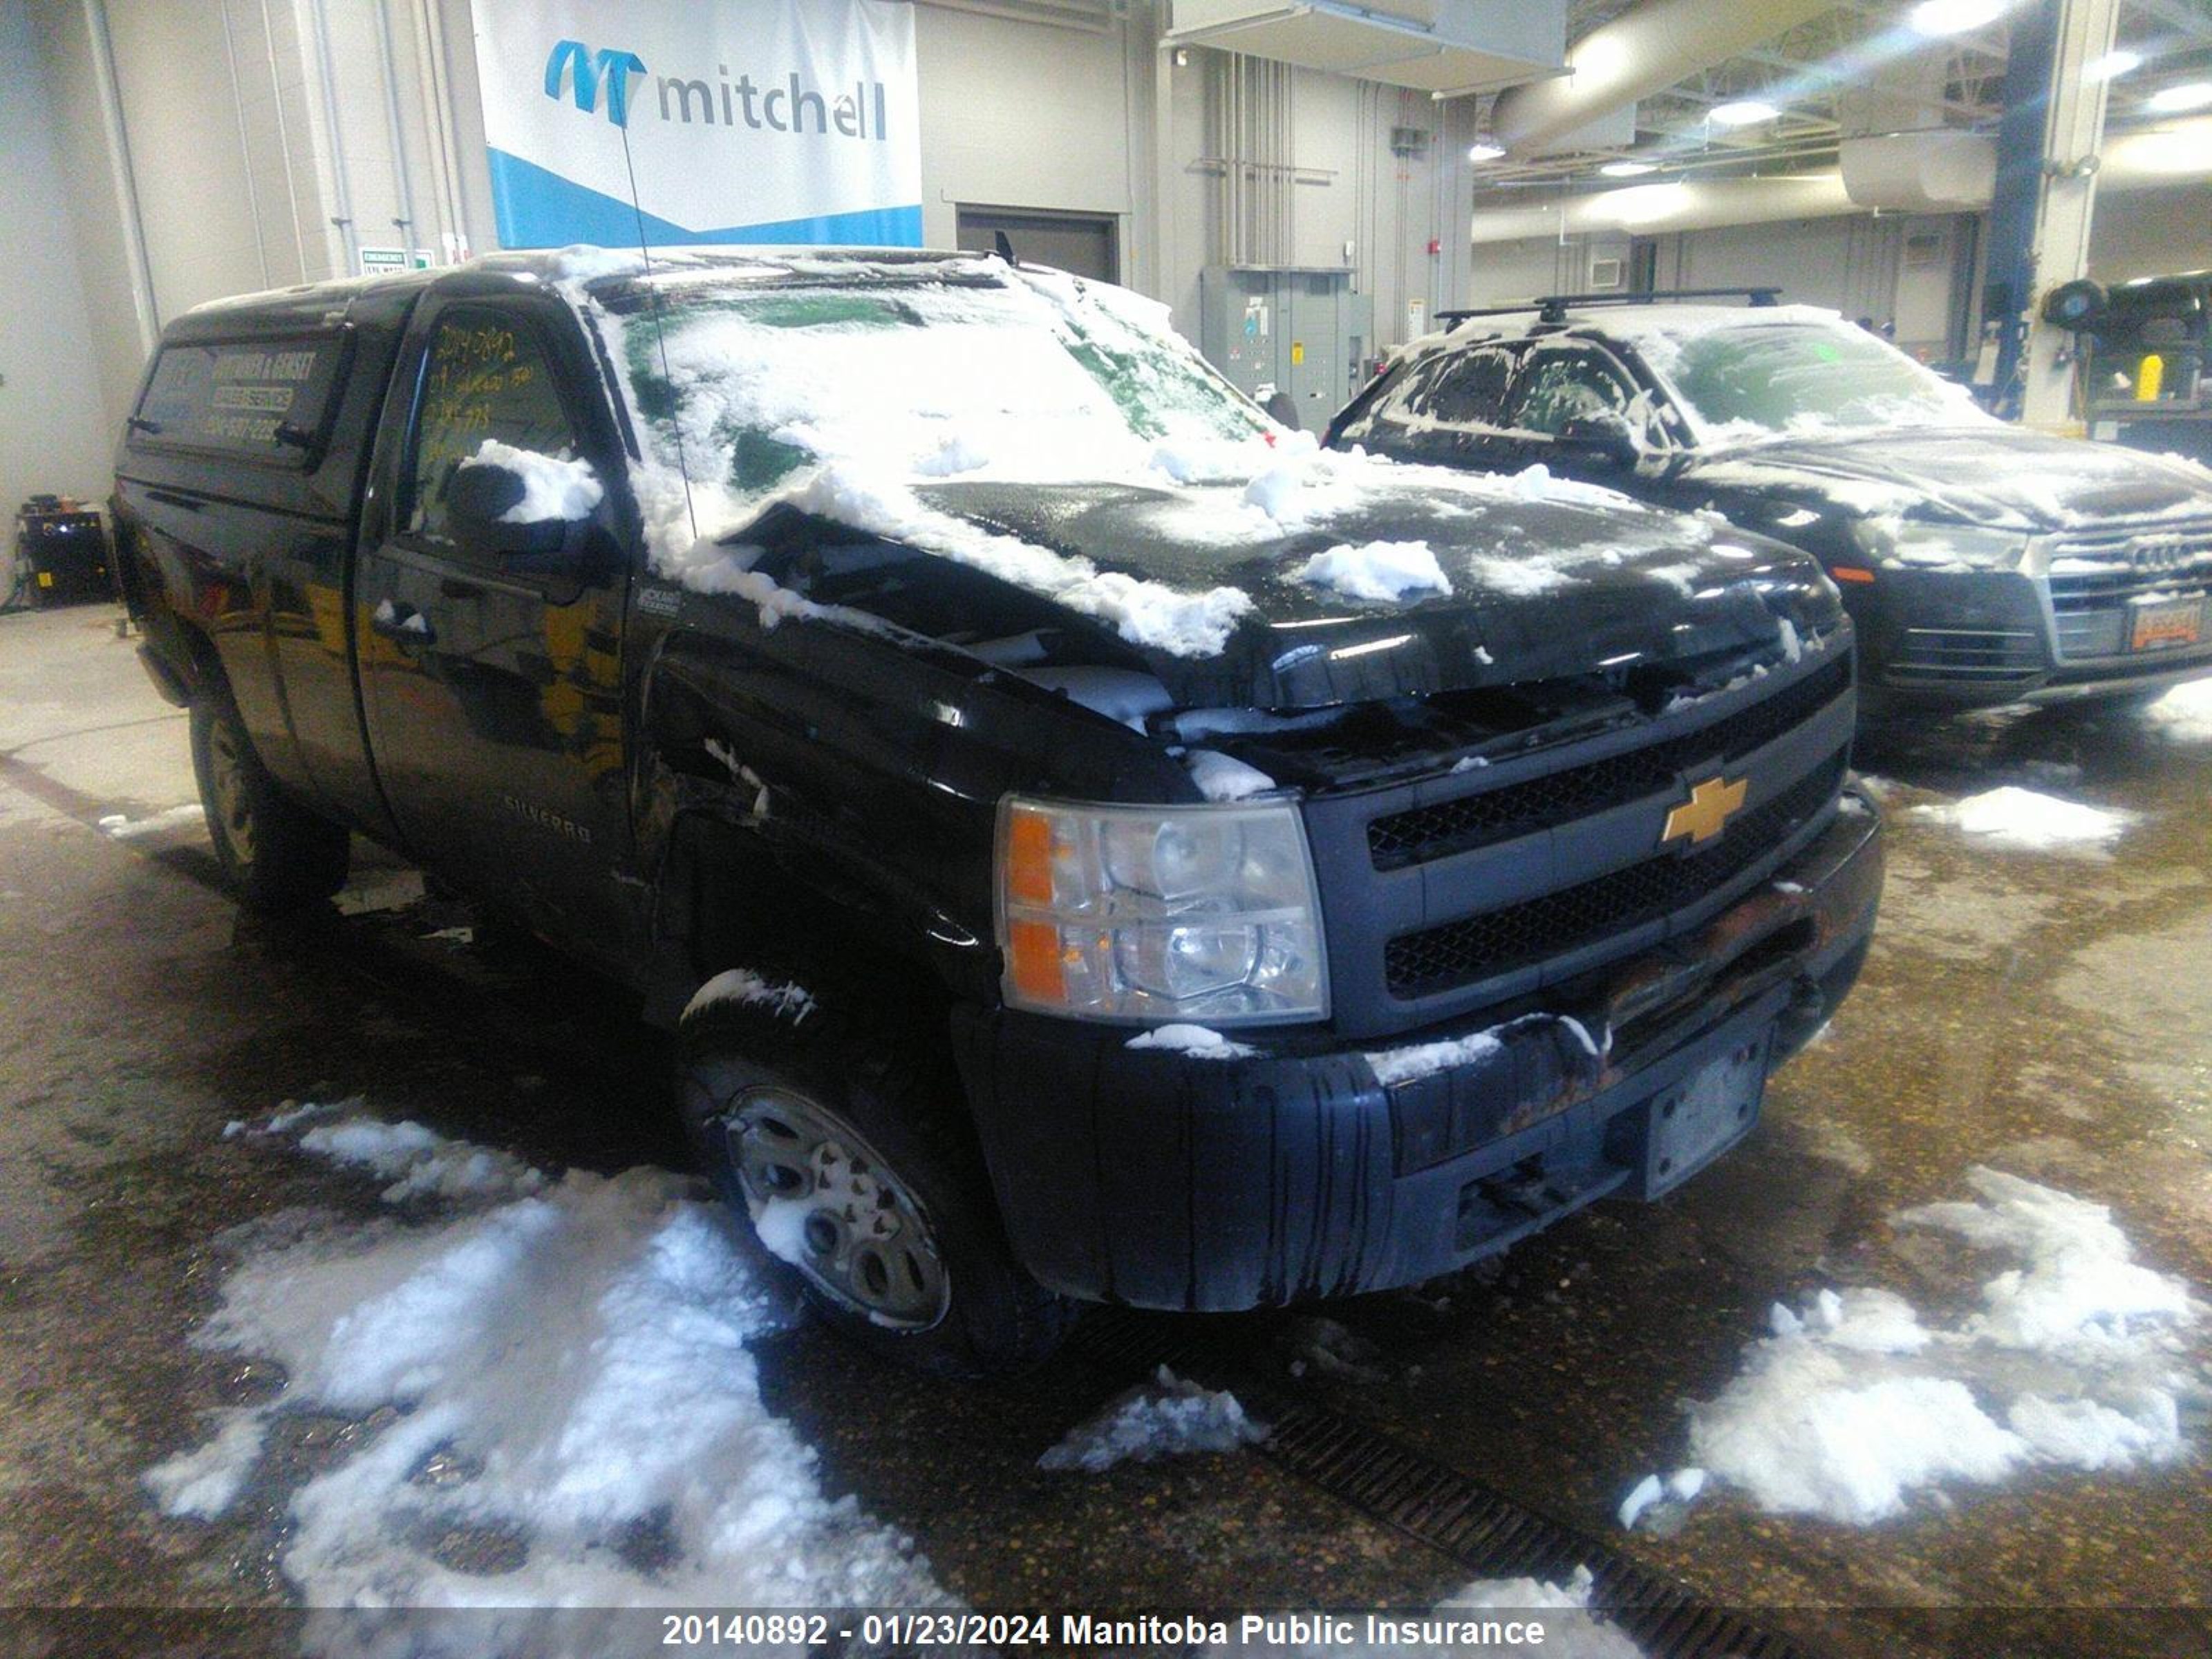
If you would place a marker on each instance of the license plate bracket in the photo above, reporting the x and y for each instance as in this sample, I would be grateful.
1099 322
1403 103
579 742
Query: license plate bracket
2165 624
1705 1113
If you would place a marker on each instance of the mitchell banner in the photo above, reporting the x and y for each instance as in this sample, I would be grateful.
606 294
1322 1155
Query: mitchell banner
732 120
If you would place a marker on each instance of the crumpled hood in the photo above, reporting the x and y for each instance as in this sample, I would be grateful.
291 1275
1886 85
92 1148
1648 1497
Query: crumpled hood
1541 587
2001 477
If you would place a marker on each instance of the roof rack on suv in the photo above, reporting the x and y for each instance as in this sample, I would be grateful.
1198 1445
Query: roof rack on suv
1553 307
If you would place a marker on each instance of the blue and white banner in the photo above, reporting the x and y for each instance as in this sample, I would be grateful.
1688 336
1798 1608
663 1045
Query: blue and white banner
735 120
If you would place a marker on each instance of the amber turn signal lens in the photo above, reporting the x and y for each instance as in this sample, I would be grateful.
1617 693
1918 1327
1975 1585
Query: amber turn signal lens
1033 960
1850 573
1028 858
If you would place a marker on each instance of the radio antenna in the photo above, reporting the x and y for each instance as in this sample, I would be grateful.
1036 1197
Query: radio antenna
659 333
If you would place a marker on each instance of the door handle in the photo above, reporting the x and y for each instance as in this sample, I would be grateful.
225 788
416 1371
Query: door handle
402 622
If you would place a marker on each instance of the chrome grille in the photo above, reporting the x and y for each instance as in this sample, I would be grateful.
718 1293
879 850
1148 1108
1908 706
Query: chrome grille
1978 655
2097 575
1479 946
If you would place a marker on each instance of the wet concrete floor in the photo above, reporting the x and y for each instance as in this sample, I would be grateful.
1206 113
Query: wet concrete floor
2049 1016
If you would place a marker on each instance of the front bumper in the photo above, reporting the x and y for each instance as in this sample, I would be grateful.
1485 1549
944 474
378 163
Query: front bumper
1977 639
1158 1180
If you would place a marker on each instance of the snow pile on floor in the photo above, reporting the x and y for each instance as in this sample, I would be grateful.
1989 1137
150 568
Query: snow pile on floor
554 487
1386 571
123 827
1167 1417
418 1161
1853 1404
2185 714
1462 1622
567 1359
2016 817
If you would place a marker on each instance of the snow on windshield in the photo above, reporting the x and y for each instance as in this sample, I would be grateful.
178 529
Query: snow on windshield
1793 371
843 387
847 387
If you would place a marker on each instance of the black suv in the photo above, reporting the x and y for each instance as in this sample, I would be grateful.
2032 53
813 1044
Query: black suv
1983 563
1091 842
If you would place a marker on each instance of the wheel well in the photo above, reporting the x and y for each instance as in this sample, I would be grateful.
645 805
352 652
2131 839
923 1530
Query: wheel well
726 899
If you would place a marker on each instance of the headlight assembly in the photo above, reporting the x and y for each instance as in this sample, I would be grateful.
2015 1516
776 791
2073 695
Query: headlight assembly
1205 914
1924 546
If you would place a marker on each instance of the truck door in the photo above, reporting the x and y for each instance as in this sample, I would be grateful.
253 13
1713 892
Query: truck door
492 683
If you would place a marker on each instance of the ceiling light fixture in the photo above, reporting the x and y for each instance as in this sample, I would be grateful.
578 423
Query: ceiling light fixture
1483 150
1741 112
2173 101
1627 169
2113 65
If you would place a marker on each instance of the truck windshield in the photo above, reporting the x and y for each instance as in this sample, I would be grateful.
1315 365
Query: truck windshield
1032 376
1762 380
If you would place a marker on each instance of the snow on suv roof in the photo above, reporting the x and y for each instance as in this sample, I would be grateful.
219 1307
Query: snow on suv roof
1643 326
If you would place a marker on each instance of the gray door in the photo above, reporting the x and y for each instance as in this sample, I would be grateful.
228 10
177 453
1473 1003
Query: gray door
1085 244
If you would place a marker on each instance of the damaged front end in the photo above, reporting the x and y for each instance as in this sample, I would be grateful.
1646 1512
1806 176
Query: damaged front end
1584 859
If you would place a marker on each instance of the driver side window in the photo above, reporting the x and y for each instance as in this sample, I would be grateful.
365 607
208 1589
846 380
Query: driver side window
485 376
1565 383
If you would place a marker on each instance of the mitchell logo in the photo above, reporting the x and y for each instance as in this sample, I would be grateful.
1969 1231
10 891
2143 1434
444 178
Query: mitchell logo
794 106
591 68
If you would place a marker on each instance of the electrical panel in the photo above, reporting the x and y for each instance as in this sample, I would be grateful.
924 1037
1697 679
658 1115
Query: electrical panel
1296 329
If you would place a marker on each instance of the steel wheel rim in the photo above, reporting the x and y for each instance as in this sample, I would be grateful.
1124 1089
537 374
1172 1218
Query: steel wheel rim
233 812
822 1201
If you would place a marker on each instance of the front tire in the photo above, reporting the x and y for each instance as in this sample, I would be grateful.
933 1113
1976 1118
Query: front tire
846 1150
275 853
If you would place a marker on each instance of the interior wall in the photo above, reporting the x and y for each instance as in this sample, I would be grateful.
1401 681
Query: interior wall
2150 233
1506 272
197 202
104 291
1847 263
53 437
984 141
255 172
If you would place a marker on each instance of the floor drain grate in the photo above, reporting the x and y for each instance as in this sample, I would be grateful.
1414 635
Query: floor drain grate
1494 1537
1487 1533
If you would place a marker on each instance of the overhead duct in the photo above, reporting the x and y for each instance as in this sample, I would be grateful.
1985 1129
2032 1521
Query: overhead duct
1655 47
1662 209
1947 172
1920 172
1445 46
2175 154
2178 153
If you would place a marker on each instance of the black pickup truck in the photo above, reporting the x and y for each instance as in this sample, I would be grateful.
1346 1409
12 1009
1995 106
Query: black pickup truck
1092 844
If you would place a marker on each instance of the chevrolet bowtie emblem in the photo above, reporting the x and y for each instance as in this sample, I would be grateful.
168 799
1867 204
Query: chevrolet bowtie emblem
1706 812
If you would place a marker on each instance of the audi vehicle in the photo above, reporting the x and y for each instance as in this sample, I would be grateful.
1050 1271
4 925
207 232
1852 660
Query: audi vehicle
1983 563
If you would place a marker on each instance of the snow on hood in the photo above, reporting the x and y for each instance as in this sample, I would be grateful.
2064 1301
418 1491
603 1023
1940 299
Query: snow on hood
853 389
1532 586
2001 477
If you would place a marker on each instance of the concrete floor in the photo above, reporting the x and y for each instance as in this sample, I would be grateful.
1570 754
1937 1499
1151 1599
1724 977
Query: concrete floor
2047 1016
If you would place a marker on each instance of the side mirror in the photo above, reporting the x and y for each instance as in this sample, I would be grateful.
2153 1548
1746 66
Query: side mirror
1605 436
478 497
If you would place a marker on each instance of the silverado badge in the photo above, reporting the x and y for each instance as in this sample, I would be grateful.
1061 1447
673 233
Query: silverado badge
1706 812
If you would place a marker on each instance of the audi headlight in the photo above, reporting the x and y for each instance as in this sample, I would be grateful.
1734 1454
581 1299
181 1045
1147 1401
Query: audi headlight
1952 547
1205 914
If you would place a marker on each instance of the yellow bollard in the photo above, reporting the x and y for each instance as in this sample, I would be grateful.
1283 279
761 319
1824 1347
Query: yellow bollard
2149 378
